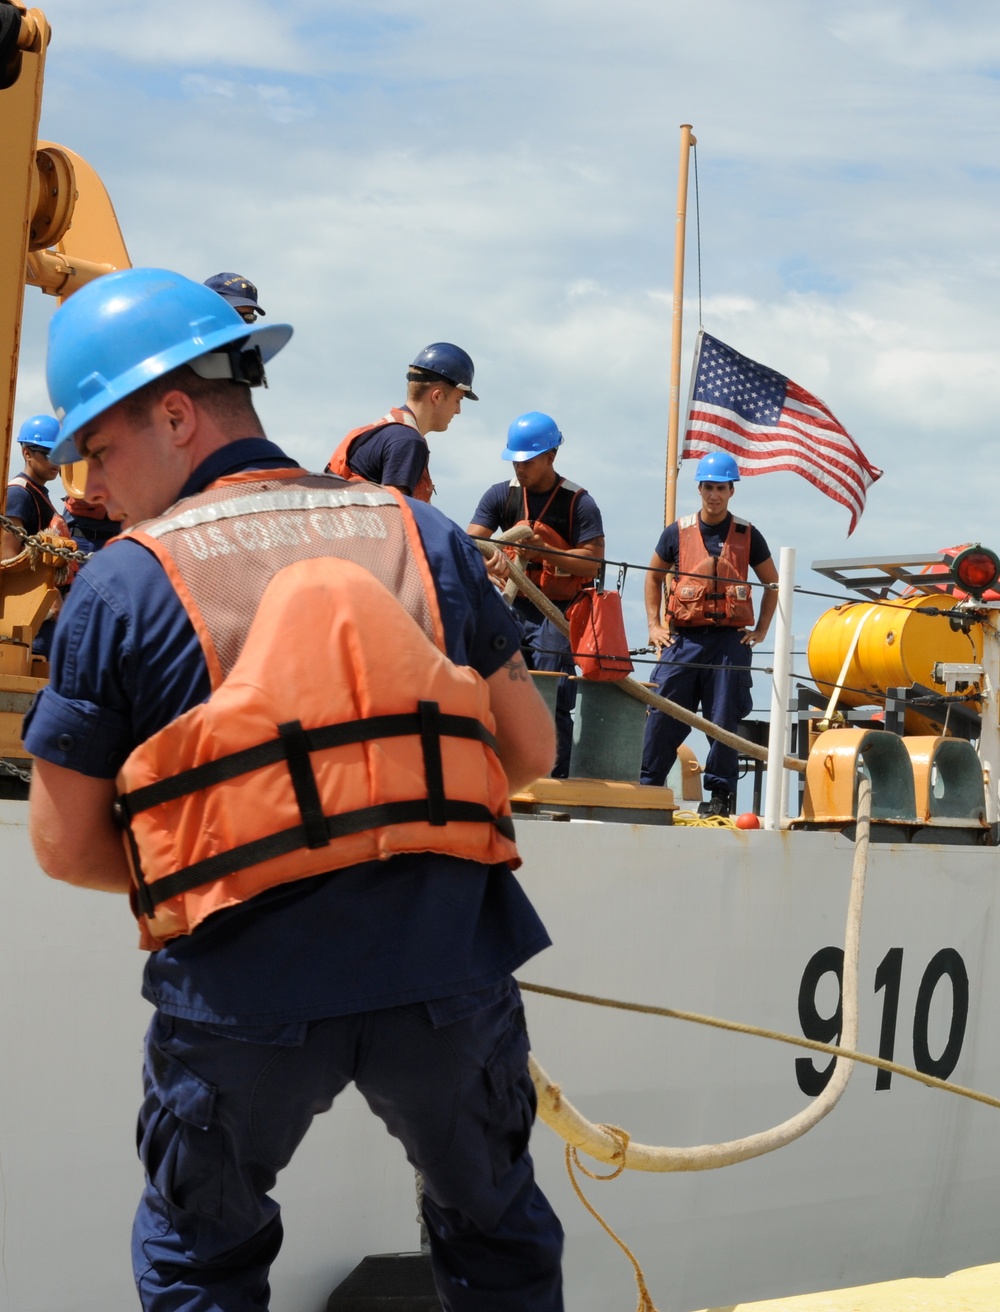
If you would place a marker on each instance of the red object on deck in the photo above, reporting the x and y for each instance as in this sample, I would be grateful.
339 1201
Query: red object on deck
747 821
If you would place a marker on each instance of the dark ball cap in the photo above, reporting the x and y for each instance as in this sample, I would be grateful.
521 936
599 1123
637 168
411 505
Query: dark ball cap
238 291
446 361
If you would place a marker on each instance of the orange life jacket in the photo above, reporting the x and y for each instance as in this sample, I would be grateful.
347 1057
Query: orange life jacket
547 574
337 730
48 517
338 462
82 509
712 589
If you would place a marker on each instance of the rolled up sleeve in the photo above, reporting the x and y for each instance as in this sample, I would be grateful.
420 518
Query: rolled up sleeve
77 734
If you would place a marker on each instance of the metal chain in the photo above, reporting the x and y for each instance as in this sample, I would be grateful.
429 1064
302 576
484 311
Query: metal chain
8 767
39 542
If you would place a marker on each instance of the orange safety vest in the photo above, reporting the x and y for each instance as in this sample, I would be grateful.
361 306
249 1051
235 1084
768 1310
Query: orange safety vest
325 742
55 522
712 589
547 574
338 462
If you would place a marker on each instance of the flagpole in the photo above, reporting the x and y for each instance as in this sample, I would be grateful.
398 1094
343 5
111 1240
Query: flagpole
670 496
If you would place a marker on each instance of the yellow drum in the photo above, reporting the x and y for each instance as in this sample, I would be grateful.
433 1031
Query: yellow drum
888 646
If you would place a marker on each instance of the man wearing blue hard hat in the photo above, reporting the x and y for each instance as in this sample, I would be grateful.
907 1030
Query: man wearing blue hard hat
28 503
29 506
706 634
393 450
315 837
566 524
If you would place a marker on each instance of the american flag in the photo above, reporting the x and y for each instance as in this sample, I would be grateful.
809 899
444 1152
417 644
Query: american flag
768 423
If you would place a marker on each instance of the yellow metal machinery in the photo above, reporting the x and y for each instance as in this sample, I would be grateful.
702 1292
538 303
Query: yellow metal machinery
920 781
860 650
58 230
932 637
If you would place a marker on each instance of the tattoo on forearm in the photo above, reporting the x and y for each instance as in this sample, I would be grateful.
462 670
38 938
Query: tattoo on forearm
516 669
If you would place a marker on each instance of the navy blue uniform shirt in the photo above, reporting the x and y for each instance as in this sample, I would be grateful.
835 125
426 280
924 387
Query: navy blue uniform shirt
587 522
22 504
126 662
396 455
587 525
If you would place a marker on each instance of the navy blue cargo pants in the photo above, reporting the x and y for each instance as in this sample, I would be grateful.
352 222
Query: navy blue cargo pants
223 1115
706 669
545 648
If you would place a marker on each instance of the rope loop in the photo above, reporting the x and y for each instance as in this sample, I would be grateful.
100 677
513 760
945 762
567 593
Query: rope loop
621 1137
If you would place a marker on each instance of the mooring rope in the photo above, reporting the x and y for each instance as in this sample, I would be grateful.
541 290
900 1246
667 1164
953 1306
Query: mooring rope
560 1115
613 1146
555 1110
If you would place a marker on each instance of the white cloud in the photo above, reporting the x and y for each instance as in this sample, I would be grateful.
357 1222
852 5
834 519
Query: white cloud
504 176
928 40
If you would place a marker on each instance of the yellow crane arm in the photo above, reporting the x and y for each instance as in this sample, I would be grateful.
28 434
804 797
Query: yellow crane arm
58 230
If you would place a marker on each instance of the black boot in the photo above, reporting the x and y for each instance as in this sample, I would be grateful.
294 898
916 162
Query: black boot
722 802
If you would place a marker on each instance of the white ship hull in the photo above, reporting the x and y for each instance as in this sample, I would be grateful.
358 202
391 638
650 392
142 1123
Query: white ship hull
898 1181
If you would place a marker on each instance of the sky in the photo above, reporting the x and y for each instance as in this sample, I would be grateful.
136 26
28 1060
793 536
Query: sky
391 174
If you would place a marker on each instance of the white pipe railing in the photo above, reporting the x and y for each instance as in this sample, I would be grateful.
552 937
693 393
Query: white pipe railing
989 733
780 685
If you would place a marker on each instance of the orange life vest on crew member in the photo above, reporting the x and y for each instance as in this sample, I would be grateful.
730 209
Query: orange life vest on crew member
48 517
547 574
338 461
324 743
712 589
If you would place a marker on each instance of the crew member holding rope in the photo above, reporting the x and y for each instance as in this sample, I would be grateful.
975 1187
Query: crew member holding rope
393 450
562 516
704 641
318 841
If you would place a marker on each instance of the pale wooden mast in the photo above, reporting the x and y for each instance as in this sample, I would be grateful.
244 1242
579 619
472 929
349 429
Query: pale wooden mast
670 497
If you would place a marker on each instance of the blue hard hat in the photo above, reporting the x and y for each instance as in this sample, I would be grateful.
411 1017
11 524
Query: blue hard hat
531 434
450 363
717 467
127 328
39 430
237 290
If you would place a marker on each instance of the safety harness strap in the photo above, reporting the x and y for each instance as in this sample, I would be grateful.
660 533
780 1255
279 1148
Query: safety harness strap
294 745
319 739
290 840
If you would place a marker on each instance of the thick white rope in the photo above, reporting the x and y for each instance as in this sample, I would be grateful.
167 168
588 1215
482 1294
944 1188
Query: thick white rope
570 1124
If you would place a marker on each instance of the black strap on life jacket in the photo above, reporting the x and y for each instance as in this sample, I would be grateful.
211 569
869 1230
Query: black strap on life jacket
92 530
294 745
557 512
